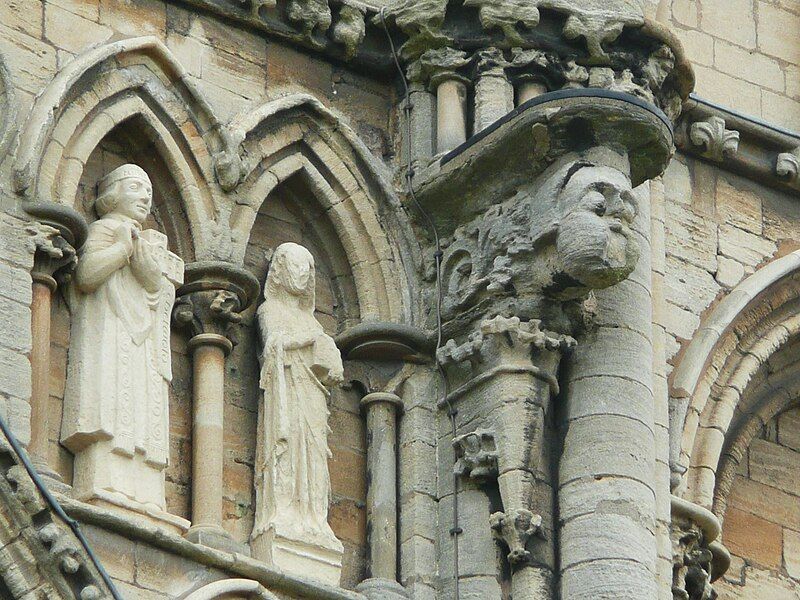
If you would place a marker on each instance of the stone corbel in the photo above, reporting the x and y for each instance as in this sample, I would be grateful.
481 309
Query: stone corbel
718 142
515 529
312 17
420 21
208 308
698 559
476 456
54 239
788 165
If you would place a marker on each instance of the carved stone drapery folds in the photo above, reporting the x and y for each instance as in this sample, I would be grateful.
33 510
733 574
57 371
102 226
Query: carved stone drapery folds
208 309
300 364
116 403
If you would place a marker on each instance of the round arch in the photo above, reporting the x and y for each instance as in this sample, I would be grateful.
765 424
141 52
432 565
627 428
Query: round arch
726 386
297 136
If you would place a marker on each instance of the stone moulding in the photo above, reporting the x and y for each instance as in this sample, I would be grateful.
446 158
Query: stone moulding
764 152
222 589
238 565
8 108
706 445
53 101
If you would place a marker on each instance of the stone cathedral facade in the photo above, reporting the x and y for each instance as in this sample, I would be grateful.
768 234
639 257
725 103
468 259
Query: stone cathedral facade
400 299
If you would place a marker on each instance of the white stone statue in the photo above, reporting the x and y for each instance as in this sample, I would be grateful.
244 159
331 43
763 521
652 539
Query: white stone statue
116 408
299 365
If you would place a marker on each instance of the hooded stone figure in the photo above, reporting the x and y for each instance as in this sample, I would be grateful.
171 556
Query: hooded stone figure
299 365
116 406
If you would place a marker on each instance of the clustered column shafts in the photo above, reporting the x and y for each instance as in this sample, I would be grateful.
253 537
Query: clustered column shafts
607 487
382 409
451 114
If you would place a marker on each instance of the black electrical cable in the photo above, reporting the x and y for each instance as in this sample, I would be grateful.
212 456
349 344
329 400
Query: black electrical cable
451 412
56 507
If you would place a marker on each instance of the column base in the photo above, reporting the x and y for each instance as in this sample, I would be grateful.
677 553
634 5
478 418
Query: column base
298 557
216 537
382 589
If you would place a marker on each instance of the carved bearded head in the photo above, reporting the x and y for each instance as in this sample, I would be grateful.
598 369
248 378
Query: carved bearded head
593 208
126 191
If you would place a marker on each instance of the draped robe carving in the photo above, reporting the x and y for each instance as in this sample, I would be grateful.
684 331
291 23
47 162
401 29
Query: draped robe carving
116 406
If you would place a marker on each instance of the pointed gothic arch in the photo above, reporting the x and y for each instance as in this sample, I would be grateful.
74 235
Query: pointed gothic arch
103 88
296 136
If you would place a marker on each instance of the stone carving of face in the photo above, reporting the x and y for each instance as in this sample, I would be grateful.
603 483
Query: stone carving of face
126 191
135 198
595 244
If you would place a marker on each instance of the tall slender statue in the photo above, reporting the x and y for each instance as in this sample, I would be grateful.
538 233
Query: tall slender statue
299 365
116 411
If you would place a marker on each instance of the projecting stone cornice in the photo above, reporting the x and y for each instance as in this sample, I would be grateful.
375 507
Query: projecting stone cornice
741 144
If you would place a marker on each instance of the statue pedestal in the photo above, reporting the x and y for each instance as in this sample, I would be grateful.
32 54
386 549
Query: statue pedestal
135 510
299 557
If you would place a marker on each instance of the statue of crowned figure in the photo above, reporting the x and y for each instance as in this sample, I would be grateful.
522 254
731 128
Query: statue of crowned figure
116 402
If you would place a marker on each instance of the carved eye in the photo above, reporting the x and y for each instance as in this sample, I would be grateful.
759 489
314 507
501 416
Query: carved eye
596 202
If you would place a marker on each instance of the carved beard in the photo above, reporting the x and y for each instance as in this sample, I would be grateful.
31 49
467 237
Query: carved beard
592 254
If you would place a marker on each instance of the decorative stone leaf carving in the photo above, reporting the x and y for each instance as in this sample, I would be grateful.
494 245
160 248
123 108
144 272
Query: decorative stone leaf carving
717 141
506 15
597 21
476 455
788 165
313 16
421 21
691 575
350 29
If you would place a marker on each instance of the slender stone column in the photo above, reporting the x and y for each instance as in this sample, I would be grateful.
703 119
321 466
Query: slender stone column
607 485
529 89
494 94
209 304
60 230
382 409
451 114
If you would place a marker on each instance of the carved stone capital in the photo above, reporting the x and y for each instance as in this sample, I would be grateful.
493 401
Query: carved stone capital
476 456
693 532
54 239
439 65
505 16
712 135
515 528
421 21
490 62
211 300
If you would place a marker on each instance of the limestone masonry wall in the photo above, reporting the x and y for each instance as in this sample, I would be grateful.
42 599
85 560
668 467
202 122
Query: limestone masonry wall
746 54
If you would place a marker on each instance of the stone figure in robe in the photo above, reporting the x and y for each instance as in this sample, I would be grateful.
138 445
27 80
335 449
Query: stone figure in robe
300 364
116 412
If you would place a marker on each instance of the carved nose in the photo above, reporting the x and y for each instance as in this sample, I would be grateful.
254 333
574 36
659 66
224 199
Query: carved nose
620 209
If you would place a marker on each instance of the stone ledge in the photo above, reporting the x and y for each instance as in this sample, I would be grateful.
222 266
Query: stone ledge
236 564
